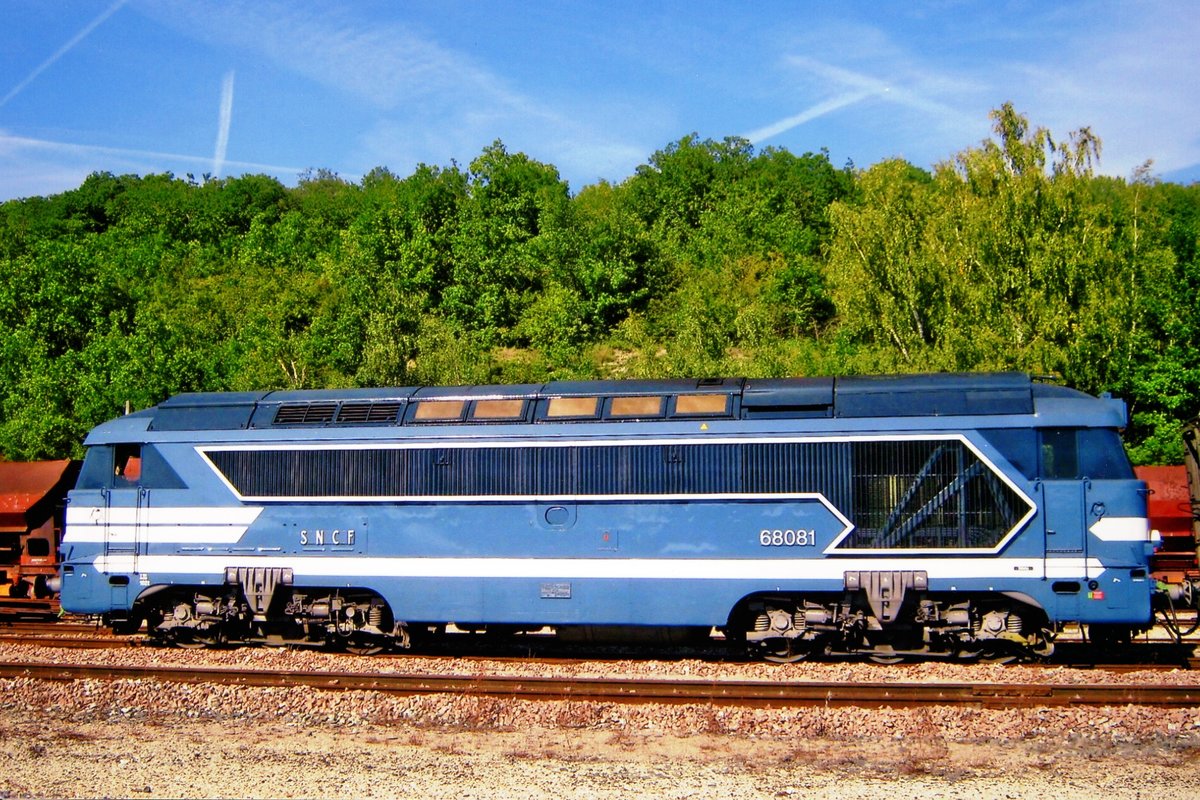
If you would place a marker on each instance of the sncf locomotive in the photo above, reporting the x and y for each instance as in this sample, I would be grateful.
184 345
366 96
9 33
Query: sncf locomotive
951 515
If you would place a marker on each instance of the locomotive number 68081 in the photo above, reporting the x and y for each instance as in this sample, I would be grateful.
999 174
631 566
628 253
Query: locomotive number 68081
787 538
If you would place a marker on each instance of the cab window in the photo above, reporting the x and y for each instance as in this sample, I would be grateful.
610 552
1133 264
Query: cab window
127 466
1074 453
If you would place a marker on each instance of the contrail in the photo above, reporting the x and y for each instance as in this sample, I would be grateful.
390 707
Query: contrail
223 125
851 81
14 143
62 51
819 110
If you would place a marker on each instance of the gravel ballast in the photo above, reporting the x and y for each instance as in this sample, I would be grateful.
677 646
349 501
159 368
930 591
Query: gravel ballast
142 739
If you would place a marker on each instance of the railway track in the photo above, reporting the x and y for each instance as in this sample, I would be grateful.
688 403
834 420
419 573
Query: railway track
72 635
1147 655
49 627
764 694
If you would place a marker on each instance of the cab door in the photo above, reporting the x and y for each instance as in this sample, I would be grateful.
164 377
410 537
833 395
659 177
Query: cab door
1064 505
124 512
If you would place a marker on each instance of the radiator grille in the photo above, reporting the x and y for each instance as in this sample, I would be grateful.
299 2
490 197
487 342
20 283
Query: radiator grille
922 494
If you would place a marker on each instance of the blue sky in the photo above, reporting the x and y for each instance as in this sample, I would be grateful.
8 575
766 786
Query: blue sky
225 88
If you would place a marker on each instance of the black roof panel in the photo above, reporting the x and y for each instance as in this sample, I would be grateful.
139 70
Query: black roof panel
942 394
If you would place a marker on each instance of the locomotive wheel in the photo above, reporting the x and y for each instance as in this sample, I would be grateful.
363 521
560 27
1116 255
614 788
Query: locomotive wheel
884 655
187 639
189 644
784 651
190 638
364 647
1004 651
1000 659
364 650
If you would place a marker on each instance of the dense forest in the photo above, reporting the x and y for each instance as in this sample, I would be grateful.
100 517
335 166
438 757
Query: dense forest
711 259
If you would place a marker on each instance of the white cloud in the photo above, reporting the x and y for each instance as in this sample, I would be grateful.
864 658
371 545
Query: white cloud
383 64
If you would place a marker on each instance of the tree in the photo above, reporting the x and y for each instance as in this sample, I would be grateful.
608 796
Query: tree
887 289
999 261
515 207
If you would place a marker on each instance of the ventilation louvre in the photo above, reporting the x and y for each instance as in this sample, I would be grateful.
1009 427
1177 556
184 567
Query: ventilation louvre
898 494
384 411
305 413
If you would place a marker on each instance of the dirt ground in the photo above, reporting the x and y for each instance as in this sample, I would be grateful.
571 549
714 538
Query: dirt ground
47 756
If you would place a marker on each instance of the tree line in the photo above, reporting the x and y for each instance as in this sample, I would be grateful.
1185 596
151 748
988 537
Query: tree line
712 259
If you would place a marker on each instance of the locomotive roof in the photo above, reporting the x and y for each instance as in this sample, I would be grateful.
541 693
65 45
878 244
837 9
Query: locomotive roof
892 396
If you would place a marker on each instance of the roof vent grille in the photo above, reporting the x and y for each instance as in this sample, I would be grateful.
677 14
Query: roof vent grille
305 413
384 411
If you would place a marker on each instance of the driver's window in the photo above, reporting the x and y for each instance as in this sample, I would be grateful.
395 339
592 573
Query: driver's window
127 465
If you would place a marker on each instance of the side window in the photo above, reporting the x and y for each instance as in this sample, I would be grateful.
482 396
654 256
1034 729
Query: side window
439 410
687 405
498 410
97 469
1073 453
127 465
1102 456
1060 457
573 408
629 407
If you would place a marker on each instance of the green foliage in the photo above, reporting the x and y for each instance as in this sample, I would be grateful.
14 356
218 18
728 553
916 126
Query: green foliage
711 259
506 231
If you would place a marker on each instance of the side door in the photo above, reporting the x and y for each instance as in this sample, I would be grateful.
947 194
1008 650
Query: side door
123 514
1064 511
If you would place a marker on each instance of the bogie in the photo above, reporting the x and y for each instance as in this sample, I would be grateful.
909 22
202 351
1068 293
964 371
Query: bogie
793 628
354 620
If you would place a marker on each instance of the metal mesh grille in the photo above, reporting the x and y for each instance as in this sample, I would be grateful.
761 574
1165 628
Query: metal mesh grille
928 494
384 411
913 494
305 413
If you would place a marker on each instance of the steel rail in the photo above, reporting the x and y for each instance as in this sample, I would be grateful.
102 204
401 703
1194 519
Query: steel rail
51 627
1150 658
769 694
82 643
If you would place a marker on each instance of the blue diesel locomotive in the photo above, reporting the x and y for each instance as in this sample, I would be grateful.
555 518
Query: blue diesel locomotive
950 515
